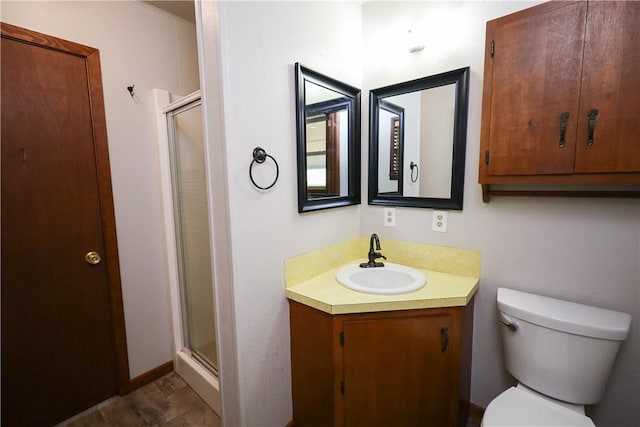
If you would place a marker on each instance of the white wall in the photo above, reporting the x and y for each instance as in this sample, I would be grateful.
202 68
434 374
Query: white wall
261 42
584 250
142 46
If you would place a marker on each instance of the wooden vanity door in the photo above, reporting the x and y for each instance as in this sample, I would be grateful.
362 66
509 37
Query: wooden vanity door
400 370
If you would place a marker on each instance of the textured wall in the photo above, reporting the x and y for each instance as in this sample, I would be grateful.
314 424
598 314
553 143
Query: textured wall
261 42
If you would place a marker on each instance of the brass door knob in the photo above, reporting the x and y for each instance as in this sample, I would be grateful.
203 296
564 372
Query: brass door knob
92 257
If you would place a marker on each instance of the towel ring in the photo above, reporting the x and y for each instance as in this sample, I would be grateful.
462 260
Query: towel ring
413 165
260 156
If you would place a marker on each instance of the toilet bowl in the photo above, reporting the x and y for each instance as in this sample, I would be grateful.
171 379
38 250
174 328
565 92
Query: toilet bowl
560 352
521 406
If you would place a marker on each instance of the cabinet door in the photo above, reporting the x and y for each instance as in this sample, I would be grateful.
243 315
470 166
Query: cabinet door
314 382
537 63
397 372
610 84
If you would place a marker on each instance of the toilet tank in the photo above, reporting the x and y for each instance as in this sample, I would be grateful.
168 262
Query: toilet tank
559 348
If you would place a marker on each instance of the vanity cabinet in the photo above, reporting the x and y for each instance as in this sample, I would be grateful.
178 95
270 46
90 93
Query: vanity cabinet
560 97
395 368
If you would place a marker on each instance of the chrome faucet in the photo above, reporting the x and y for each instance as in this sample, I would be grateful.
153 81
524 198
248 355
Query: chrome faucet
373 255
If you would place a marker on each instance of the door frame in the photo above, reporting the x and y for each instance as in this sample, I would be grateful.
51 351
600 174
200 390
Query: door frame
105 192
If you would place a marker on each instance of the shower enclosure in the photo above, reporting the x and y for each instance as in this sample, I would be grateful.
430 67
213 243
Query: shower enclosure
188 240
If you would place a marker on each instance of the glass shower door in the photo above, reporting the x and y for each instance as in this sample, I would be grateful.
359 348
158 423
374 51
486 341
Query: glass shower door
186 151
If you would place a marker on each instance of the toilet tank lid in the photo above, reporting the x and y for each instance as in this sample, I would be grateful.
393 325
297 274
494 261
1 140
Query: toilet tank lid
564 316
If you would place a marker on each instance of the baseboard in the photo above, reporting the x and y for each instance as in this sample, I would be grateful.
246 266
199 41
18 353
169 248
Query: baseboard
475 413
150 376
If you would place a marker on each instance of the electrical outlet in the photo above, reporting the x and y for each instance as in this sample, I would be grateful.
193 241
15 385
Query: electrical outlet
390 217
439 221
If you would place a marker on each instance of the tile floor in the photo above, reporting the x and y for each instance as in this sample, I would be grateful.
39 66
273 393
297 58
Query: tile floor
167 401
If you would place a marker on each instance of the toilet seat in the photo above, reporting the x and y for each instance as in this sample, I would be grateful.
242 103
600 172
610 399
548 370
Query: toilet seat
516 407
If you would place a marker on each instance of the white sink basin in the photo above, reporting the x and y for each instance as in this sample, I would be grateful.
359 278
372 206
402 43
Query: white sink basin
390 279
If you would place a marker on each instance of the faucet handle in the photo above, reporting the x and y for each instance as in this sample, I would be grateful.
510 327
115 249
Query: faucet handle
374 256
372 260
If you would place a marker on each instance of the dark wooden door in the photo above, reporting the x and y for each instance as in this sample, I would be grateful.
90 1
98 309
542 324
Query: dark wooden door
401 371
537 64
62 325
611 85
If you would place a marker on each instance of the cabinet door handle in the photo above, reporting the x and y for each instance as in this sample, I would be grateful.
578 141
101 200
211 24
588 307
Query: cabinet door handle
564 117
444 338
592 114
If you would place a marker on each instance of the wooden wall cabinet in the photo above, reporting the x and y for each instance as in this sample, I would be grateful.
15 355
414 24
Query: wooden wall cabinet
397 368
561 101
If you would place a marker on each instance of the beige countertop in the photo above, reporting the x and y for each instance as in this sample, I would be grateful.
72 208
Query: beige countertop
452 277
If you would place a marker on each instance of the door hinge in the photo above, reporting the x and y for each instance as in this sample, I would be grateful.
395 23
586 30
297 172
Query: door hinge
486 157
492 49
341 387
342 338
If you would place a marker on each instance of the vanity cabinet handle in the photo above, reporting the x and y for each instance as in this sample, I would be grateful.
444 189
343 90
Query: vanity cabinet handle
592 114
564 117
444 338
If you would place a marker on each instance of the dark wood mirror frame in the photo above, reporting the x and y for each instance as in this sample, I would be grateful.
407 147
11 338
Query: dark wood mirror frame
460 78
308 198
396 143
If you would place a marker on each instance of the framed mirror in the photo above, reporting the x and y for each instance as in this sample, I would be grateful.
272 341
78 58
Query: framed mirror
417 142
328 141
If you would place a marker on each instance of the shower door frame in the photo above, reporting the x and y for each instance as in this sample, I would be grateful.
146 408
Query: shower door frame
204 382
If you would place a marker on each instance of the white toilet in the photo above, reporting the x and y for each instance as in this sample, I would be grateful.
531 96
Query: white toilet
560 352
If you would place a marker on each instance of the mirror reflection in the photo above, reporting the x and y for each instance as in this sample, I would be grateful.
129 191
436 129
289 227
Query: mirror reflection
328 134
422 166
417 142
327 126
391 131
